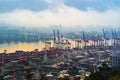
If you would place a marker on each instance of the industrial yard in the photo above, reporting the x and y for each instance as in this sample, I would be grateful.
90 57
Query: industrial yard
61 57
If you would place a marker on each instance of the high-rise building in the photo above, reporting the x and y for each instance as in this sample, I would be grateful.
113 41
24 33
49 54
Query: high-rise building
115 60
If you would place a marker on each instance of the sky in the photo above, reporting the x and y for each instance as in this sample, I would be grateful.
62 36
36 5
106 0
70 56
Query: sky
65 12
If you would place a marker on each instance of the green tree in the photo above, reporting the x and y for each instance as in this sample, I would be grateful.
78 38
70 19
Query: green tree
43 76
96 76
29 75
65 78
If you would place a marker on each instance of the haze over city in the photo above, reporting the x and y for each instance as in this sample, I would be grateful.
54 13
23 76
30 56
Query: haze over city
59 39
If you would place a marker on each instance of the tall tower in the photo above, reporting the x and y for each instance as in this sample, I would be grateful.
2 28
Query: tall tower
58 35
54 34
104 36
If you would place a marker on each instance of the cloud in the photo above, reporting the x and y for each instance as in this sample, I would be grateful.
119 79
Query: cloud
37 5
54 1
60 14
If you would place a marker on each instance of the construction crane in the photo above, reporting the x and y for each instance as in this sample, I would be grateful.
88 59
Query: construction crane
98 40
78 42
54 34
116 39
58 39
58 35
113 37
94 40
84 39
104 36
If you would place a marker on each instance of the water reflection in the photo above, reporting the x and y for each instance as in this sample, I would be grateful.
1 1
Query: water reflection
25 46
30 46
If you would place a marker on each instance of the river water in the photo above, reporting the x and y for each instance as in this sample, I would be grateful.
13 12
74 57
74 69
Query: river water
25 46
30 46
